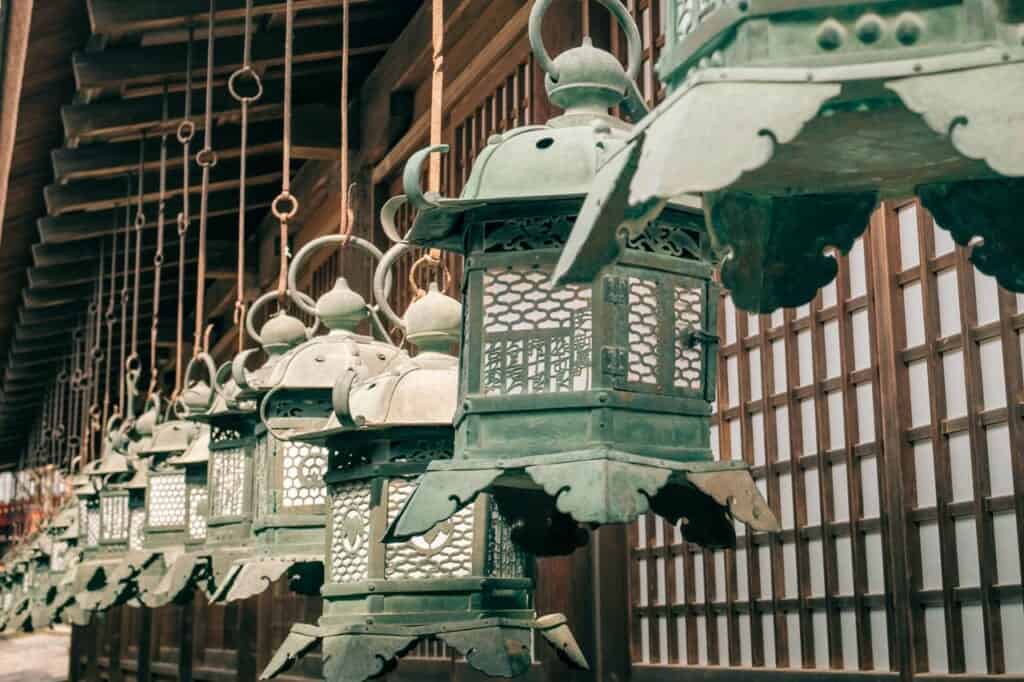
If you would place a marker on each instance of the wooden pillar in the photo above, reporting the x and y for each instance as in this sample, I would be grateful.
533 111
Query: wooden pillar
75 655
247 629
185 640
92 644
114 619
144 638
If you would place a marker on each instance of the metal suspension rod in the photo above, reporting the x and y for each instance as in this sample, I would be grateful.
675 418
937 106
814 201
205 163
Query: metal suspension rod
186 131
207 159
285 206
158 258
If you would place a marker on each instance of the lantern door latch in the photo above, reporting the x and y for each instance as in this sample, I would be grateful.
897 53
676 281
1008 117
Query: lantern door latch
694 336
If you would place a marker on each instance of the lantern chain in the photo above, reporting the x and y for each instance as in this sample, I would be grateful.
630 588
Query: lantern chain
158 258
206 158
244 101
286 205
186 131
133 365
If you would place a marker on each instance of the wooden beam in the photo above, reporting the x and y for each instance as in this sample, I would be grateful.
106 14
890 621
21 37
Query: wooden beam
18 20
95 195
115 18
56 276
115 69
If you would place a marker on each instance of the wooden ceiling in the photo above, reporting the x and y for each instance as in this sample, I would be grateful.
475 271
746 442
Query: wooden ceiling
93 97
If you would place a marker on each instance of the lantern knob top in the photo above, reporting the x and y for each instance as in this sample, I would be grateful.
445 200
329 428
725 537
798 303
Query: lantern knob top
341 308
281 332
586 79
433 321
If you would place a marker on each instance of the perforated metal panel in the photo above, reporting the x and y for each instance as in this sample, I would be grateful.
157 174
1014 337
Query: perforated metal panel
304 468
643 331
114 518
167 500
197 498
445 552
537 339
350 532
228 481
58 556
92 524
137 523
504 558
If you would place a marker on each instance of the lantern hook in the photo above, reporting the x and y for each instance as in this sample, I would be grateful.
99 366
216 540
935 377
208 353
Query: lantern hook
250 317
413 175
618 10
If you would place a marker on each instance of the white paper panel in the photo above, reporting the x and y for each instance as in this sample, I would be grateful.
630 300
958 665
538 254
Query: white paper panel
736 439
782 433
808 426
645 639
836 421
791 575
865 395
848 628
793 628
719 575
876 562
949 302
729 317
1012 614
913 310
974 638
909 241
966 552
643 582
743 622
840 493
935 633
779 316
757 438
858 271
659 571
816 558
953 373
828 295
812 495
920 412
1004 526
732 374
986 295
820 621
879 639
960 466
786 506
870 500
1000 464
698 578
844 564
753 324
993 381
860 327
702 641
805 357
742 577
755 373
778 366
924 466
722 624
943 240
931 571
768 632
832 349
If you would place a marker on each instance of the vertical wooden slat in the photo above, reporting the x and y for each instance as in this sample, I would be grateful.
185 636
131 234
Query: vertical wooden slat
895 413
1013 374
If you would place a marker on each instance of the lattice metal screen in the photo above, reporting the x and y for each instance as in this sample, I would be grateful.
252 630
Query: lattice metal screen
166 500
114 518
445 552
228 482
137 525
303 473
197 510
801 398
350 532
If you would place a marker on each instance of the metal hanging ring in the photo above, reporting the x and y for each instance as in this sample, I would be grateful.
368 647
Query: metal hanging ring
140 220
206 158
634 44
285 212
381 274
133 363
437 263
186 131
304 302
182 225
245 72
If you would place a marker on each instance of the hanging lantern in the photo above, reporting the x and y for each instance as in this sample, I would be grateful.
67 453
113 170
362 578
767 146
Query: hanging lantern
56 594
162 579
17 612
103 506
289 495
234 429
585 404
464 584
793 120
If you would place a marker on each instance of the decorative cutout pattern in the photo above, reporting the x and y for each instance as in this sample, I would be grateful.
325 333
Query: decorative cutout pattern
114 518
304 469
643 331
136 525
445 551
83 515
92 522
667 239
221 434
227 478
692 13
350 532
504 558
689 364
197 498
528 234
261 490
420 451
167 500
536 339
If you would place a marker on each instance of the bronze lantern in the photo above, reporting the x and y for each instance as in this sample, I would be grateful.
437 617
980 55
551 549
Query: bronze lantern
586 404
792 119
465 583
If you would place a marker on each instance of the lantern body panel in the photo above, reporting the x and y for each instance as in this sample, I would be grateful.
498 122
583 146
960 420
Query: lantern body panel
166 509
233 445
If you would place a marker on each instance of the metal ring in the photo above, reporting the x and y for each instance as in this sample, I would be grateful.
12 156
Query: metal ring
203 361
186 131
308 305
140 220
633 41
206 158
246 70
182 224
281 214
158 259
133 363
97 354
380 295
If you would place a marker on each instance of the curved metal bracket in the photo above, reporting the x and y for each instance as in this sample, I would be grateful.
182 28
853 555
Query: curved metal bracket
413 175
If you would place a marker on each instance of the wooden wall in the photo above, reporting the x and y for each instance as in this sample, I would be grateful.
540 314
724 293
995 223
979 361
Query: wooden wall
883 421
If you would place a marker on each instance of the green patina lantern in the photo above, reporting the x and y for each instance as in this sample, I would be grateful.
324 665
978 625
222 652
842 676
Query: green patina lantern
294 394
57 593
163 571
794 118
587 404
103 522
17 611
32 584
464 583
234 429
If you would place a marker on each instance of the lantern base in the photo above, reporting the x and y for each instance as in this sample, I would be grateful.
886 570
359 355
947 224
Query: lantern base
170 577
21 617
544 497
254 574
498 647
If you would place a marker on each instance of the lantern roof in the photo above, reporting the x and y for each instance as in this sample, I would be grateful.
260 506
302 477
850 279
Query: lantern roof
140 478
198 451
168 437
65 518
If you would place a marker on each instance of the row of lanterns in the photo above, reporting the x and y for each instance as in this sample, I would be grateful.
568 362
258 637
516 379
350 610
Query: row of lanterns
413 491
